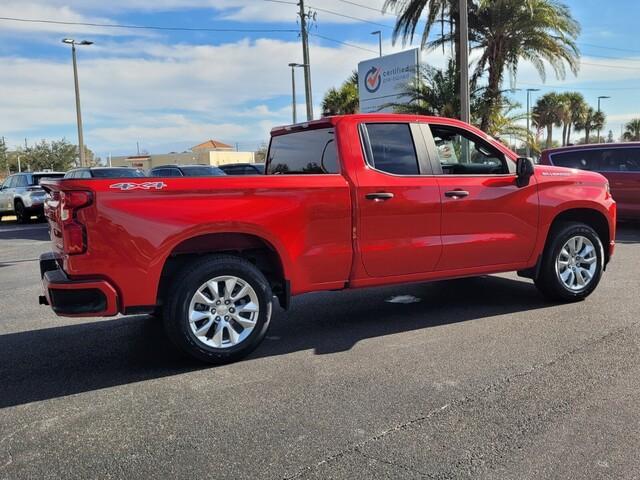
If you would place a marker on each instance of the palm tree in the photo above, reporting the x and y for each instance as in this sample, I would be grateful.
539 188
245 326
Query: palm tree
632 131
343 100
577 107
434 93
590 120
547 113
507 31
507 123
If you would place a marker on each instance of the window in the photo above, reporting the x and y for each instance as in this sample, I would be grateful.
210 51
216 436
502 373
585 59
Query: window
306 152
203 171
583 159
461 153
35 179
165 172
6 183
20 181
392 149
620 160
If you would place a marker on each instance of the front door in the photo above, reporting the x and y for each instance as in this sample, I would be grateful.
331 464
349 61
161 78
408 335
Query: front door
487 220
6 196
398 202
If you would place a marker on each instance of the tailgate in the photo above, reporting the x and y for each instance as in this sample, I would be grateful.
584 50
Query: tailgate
52 212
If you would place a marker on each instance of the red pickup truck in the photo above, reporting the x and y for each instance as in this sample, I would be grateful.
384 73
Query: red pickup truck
346 202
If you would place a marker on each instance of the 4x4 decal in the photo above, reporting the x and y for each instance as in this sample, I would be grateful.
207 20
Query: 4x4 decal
126 186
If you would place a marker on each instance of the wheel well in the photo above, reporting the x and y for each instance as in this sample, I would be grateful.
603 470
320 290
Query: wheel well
250 247
593 218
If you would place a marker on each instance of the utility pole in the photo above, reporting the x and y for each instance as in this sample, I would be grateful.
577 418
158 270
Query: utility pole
73 44
465 107
305 60
529 90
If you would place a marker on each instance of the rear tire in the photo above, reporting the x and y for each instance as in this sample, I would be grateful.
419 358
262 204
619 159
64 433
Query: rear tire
21 212
572 263
219 310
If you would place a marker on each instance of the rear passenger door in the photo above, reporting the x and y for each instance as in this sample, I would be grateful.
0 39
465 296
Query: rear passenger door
486 218
621 166
398 202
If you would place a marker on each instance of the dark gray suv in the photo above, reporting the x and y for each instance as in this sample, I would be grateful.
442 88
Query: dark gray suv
21 194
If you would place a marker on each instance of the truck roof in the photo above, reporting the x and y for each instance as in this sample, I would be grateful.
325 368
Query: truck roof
332 120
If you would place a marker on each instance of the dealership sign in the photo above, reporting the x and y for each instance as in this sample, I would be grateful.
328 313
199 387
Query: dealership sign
381 80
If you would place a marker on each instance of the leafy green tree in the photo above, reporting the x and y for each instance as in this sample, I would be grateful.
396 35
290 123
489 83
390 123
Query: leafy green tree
507 31
434 93
4 157
590 120
547 113
632 131
508 122
576 106
343 100
59 155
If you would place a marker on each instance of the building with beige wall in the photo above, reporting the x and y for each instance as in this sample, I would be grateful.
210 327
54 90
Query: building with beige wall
211 152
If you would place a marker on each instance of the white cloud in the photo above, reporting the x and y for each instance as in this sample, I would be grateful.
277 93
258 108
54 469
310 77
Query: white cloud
175 92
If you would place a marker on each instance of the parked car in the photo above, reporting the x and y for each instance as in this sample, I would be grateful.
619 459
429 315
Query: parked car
618 162
243 168
105 172
347 202
21 194
185 171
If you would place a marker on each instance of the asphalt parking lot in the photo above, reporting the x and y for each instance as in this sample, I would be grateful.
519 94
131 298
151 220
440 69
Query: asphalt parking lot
481 378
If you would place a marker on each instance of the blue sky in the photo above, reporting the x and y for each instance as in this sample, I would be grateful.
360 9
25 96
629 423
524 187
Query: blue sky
169 90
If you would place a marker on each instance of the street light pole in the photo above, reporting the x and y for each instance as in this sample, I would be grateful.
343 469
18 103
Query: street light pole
599 98
465 103
73 44
293 89
379 33
529 90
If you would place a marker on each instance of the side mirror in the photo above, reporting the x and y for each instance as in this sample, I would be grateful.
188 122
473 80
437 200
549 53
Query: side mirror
524 171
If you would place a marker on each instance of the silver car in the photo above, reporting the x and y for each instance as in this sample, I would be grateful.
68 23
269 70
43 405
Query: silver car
21 194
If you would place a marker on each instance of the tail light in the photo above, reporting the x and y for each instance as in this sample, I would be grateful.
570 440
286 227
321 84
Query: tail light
74 232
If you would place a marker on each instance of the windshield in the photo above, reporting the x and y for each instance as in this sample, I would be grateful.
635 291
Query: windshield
204 171
117 173
35 179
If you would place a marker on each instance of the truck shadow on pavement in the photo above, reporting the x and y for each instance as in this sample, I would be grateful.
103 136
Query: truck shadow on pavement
53 362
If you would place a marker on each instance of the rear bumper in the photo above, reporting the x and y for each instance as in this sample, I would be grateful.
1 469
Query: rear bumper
75 298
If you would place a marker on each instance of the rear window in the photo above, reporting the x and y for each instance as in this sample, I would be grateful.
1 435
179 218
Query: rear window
306 152
35 179
117 173
204 171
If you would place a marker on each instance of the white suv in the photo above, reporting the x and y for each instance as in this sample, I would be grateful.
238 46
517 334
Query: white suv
22 196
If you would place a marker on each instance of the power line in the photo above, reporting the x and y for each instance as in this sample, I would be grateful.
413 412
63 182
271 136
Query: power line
609 48
368 7
152 27
331 12
609 66
560 87
343 43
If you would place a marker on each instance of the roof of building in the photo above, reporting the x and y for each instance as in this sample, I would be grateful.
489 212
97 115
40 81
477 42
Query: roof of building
211 144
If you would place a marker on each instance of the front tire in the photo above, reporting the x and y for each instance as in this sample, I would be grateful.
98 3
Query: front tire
572 264
21 212
220 310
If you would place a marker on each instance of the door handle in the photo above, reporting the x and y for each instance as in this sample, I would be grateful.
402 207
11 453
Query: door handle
379 196
456 193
